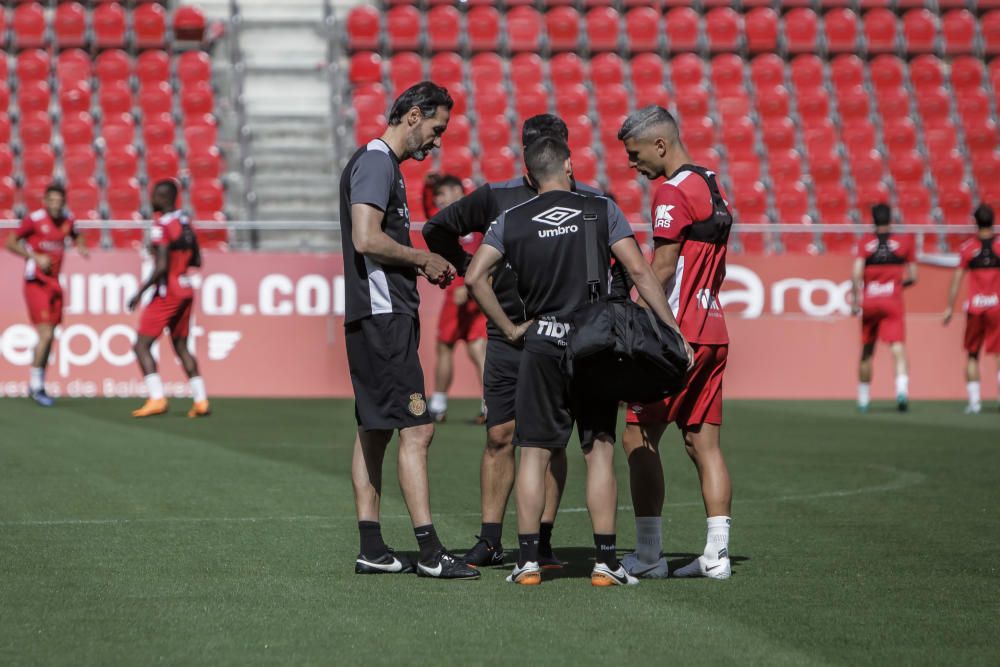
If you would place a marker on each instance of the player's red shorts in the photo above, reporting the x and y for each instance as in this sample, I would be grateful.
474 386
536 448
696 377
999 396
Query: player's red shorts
882 323
465 322
983 329
45 302
699 403
167 312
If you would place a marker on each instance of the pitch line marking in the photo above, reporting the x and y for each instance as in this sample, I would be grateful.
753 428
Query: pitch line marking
904 479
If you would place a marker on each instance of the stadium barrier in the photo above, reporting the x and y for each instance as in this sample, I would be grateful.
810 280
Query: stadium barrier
270 324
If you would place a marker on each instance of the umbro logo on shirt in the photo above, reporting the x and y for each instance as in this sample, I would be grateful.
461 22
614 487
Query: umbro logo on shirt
556 216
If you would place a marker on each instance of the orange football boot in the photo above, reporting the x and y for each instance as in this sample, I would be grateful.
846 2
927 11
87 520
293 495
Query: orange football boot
152 407
199 409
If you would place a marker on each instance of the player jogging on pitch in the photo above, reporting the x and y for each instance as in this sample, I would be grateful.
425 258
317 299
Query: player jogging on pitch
885 264
174 246
980 258
382 330
41 240
691 224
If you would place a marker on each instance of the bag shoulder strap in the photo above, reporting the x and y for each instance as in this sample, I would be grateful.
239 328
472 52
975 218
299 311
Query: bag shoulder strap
590 219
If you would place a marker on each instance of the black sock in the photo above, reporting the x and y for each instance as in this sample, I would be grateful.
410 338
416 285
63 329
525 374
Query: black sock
604 551
491 533
528 551
428 540
545 539
372 545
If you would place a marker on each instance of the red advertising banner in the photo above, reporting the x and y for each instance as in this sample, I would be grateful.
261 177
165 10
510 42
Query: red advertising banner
270 324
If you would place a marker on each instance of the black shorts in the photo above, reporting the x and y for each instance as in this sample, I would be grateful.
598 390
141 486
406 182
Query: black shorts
385 371
503 363
548 404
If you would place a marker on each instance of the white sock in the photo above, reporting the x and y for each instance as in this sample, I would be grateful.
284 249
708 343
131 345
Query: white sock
864 393
198 389
37 381
902 385
154 385
482 407
439 402
717 543
973 389
648 538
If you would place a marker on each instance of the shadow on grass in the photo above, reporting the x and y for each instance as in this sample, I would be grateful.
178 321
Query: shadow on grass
579 561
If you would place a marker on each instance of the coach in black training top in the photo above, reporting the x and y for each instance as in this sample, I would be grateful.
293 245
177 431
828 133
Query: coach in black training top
382 329
543 242
474 213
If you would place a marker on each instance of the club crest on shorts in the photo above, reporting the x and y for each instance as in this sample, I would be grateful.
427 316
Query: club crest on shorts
418 406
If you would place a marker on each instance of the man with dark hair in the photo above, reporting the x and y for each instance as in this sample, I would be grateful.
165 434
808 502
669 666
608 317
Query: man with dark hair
382 330
980 258
471 214
885 264
544 242
41 240
174 246
691 223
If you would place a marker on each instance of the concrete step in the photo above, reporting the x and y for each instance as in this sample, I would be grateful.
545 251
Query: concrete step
304 211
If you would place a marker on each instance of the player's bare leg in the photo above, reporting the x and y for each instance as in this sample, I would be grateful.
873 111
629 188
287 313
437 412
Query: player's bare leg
200 406
555 482
865 376
641 443
703 445
414 442
444 372
602 504
36 383
902 376
156 403
530 489
972 385
476 349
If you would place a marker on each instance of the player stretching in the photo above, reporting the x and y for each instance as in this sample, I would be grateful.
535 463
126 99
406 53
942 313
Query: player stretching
979 257
175 248
885 265
41 240
460 317
691 223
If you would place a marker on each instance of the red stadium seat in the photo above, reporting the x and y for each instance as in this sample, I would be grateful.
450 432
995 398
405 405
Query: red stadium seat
973 106
611 101
699 133
743 174
118 130
724 29
956 204
158 130
920 28
820 137
824 168
927 73
156 98
499 165
494 133
654 94
486 68
365 68
867 168
447 69
801 30
115 98
847 71
986 168
607 69
457 160
727 73
491 100
162 162
153 67
70 25
642 27
948 170
841 29
567 70
5 128
363 29
524 29
682 29
531 101
934 107
403 27
686 71
585 165
444 28
959 29
893 104
761 28
880 31
853 104
194 67
483 27
563 27
989 24
940 140
405 70
581 132
907 168
785 167
112 65
208 200
35 128
200 136
121 163
869 194
32 65
367 128
73 66
778 134
34 96
124 200
573 100
189 24
75 97
967 73
792 205
750 207
79 163
813 104
83 198
526 70
460 97
6 161
900 136
767 70
29 26
459 132
628 195
692 103
773 103
38 162
206 164
149 26
887 73
108 21
738 136
807 72
77 129
981 135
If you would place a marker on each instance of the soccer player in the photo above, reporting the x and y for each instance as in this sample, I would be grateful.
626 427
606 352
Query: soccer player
980 258
471 214
382 330
174 246
41 241
543 241
885 264
691 224
460 318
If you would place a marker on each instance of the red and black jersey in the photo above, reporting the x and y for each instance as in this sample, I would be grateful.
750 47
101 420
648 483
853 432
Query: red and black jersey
174 231
885 257
691 209
979 257
46 236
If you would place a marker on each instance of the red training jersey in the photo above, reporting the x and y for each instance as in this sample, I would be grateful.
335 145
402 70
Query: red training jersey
470 244
174 231
885 268
48 237
679 204
979 257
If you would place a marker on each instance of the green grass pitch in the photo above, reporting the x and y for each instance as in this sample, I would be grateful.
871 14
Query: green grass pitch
230 541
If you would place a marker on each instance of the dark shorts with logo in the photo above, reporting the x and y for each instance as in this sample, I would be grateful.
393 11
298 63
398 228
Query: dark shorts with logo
548 404
503 364
385 371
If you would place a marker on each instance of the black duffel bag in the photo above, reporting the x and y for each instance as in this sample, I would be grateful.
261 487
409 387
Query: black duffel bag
617 349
